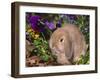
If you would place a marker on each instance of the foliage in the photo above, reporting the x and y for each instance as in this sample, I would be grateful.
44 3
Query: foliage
39 27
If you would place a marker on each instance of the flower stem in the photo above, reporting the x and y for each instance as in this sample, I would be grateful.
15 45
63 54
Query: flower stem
43 36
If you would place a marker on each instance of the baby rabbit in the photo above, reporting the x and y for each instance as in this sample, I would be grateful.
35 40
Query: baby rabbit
67 44
29 48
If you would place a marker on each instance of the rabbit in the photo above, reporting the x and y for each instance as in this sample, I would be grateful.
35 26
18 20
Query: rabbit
29 48
67 44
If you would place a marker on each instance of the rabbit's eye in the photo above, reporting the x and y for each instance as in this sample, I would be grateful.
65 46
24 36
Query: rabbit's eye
61 40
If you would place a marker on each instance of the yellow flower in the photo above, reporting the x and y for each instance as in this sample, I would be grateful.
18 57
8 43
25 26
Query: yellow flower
29 30
33 34
36 36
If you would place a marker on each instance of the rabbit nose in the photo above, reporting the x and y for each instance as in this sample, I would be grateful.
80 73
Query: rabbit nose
55 50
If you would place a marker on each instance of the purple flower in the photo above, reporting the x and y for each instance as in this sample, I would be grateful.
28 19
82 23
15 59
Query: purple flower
58 24
71 17
28 15
50 25
35 22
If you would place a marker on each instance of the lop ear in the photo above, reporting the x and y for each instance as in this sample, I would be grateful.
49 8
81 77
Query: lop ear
68 47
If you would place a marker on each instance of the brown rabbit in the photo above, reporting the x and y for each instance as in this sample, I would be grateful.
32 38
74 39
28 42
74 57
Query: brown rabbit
67 44
29 48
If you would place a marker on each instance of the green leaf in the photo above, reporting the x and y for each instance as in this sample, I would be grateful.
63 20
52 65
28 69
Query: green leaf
45 57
